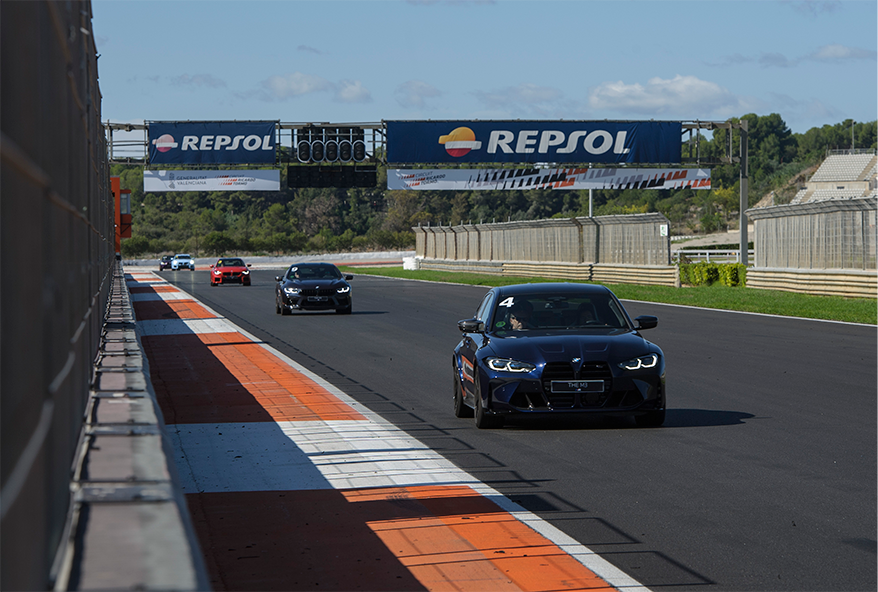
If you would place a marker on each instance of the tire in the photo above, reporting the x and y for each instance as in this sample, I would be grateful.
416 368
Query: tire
276 306
483 420
652 419
460 408
284 310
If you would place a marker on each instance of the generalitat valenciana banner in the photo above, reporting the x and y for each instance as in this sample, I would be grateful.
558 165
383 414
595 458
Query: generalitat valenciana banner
531 178
255 180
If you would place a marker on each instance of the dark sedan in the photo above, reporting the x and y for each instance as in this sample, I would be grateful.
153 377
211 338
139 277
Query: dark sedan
556 348
313 286
165 262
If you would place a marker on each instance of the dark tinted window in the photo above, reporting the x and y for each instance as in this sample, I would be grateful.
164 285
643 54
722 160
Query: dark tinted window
314 272
559 311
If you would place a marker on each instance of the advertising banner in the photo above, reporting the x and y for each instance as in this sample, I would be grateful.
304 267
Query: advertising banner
256 180
604 142
211 142
524 178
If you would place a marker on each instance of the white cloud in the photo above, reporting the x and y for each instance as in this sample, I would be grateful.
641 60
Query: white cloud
198 80
352 91
659 96
450 2
309 49
814 8
294 85
837 53
523 94
413 94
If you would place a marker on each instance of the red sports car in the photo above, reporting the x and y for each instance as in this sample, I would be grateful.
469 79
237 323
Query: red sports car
229 270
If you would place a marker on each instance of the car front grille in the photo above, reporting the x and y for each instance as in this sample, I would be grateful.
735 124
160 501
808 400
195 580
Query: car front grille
565 371
320 292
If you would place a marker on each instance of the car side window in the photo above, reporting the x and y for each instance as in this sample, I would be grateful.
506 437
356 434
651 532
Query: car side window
485 307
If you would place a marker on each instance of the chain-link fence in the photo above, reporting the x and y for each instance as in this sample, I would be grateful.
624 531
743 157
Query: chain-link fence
57 245
834 234
638 239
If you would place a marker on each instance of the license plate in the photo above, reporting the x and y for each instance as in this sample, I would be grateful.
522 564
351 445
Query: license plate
577 386
318 298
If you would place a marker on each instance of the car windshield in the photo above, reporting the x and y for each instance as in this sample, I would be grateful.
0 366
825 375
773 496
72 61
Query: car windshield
230 263
314 272
557 312
183 257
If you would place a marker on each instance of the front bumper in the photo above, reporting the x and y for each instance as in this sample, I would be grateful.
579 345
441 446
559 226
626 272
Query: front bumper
230 277
627 393
320 301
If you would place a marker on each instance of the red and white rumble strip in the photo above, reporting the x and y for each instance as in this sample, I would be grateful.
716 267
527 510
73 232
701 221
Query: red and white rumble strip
293 485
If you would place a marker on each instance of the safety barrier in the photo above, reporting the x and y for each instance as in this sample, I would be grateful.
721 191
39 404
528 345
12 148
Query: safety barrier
658 275
819 282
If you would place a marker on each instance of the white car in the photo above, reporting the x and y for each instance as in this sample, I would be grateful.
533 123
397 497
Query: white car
182 261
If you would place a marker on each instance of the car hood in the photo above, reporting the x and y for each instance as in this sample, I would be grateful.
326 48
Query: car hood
231 268
324 283
557 346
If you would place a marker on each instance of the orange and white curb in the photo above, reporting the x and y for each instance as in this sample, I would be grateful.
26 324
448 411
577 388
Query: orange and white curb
294 485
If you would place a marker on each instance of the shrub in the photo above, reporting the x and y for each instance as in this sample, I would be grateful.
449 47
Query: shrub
705 274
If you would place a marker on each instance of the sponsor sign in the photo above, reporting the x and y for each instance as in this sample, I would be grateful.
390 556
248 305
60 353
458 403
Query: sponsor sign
256 180
531 178
605 142
212 142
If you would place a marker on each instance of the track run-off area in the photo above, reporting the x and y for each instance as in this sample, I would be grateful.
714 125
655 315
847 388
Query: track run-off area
320 451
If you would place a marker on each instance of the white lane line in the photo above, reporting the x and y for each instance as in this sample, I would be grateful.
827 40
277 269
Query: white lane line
160 296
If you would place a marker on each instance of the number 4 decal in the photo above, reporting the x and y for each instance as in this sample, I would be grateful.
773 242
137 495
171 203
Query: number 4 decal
507 303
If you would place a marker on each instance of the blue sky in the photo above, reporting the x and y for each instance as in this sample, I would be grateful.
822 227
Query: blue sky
814 63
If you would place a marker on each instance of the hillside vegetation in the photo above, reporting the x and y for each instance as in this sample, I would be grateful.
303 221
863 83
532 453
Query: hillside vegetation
327 220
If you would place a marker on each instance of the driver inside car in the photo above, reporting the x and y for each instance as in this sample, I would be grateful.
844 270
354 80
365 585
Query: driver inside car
519 316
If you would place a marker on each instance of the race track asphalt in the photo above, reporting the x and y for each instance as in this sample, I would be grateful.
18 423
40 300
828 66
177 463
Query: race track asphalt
763 477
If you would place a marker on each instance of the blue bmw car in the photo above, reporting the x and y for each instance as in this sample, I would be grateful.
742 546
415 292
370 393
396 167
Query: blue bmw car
556 348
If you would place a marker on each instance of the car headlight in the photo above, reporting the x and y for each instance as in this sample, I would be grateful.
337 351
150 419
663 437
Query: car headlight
344 290
648 361
217 272
292 291
245 272
507 365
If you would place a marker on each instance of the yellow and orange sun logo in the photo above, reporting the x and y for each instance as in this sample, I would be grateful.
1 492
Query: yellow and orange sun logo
460 141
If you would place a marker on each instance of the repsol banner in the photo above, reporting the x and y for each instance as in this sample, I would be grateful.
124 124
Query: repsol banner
211 142
523 179
605 142
251 180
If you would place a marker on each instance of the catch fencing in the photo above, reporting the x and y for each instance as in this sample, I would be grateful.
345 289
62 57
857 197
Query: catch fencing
823 248
624 249
57 244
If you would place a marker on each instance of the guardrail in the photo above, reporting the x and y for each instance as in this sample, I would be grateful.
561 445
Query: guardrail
710 255
128 527
818 282
659 275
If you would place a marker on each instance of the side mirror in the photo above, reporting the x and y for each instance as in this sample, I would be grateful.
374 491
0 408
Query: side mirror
278 278
645 322
348 276
471 326
249 265
211 265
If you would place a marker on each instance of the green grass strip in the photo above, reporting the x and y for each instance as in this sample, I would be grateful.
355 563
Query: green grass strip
790 304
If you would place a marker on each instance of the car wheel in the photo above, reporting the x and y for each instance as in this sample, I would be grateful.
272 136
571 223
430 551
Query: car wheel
483 420
653 419
285 310
460 408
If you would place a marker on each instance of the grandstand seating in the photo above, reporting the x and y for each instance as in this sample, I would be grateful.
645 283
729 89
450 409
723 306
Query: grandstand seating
859 169
844 167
